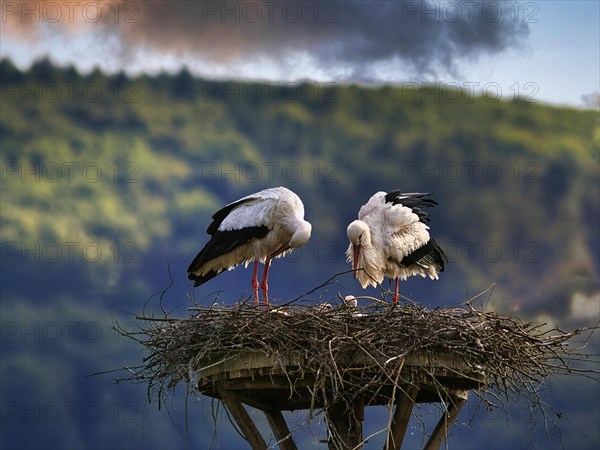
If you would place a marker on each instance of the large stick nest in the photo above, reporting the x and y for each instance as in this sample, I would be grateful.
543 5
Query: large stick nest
513 356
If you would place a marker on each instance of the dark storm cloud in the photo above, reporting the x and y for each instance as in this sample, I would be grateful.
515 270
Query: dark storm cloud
342 36
424 35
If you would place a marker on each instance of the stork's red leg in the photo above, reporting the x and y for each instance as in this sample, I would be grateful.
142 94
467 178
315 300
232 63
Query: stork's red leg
255 282
263 285
396 296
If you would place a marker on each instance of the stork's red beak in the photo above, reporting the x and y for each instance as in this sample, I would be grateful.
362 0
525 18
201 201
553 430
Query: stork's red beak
279 251
356 249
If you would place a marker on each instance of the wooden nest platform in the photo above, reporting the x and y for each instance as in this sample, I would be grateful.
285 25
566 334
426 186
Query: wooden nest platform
285 383
341 359
282 383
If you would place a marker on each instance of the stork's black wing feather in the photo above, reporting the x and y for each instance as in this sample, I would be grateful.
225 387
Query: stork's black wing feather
222 242
429 254
220 215
413 201
198 280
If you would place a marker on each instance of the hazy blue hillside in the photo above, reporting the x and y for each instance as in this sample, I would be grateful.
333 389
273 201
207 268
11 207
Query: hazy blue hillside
108 184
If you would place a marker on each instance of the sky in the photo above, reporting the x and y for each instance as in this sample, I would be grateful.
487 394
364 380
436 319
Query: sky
546 51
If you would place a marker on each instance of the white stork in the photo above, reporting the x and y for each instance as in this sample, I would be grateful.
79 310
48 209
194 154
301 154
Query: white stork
259 227
390 239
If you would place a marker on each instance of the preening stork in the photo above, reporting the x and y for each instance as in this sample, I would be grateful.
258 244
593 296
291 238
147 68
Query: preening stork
259 227
391 239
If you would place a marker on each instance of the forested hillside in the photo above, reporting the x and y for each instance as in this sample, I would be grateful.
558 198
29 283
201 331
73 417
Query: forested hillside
135 166
109 181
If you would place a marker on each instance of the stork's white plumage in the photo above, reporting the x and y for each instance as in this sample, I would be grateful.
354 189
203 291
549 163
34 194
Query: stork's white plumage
259 227
391 239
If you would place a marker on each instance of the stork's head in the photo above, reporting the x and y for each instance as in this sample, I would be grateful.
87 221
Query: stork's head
359 236
301 234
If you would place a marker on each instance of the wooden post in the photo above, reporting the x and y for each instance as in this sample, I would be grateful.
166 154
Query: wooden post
344 421
280 430
404 406
243 419
441 430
